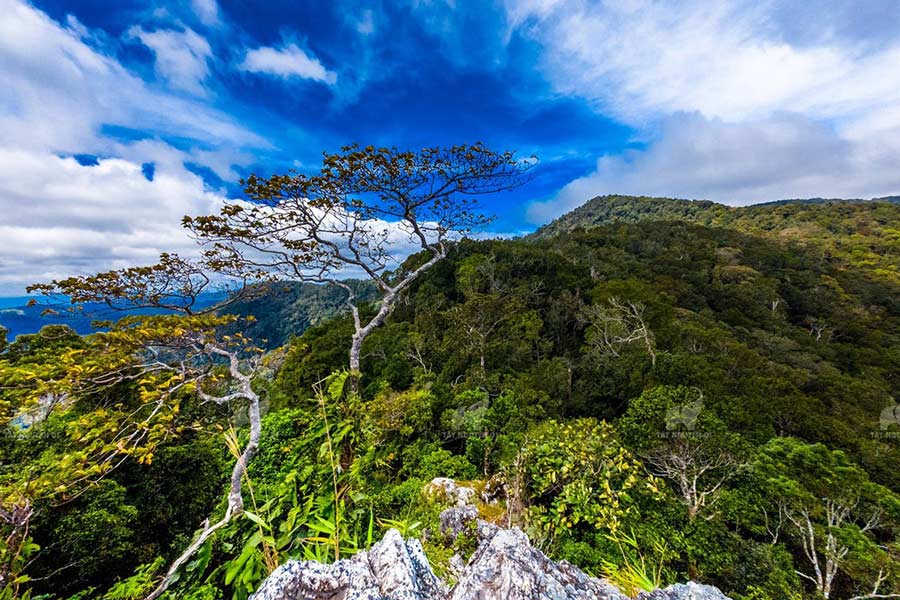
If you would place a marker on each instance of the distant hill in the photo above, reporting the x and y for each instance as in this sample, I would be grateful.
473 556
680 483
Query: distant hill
18 318
285 309
858 235
632 209
290 308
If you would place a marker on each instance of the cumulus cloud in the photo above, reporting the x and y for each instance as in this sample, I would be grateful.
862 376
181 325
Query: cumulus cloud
207 11
181 56
63 218
59 217
288 61
784 156
59 91
710 83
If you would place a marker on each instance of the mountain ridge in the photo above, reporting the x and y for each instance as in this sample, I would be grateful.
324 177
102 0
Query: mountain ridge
620 207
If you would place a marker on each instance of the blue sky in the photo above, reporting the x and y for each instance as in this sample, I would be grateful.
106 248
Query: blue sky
119 117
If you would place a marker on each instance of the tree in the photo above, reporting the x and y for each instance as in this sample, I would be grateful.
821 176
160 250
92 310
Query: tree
168 357
577 475
352 216
684 444
833 511
696 469
615 326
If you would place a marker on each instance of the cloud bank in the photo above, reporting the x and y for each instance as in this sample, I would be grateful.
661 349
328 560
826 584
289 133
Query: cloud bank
67 218
732 100
61 217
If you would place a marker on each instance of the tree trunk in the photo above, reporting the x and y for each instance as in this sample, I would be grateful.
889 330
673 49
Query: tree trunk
359 336
235 498
355 348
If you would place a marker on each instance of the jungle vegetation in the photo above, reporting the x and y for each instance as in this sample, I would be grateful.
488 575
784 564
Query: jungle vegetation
661 391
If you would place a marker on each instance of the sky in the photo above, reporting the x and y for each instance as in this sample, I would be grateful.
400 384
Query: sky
117 118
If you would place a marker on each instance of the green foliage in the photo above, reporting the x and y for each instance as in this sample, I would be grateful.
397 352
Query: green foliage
782 322
578 476
138 585
635 573
90 539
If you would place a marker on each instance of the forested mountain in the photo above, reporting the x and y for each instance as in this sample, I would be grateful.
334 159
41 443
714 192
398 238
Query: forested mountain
280 311
283 310
860 232
664 389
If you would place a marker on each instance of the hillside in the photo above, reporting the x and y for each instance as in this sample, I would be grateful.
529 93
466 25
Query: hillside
280 311
852 234
289 309
811 220
647 385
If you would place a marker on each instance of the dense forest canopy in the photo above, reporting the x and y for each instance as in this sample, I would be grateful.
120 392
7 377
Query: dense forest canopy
664 390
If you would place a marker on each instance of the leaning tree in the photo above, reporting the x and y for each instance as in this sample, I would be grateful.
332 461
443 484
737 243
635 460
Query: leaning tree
186 350
359 216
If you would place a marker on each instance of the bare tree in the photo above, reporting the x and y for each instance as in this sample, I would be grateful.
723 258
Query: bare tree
820 330
184 352
359 215
616 325
822 547
876 587
698 471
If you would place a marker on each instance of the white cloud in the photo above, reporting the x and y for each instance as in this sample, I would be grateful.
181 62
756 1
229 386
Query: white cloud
738 99
59 91
181 56
288 61
207 11
783 156
726 59
366 24
62 218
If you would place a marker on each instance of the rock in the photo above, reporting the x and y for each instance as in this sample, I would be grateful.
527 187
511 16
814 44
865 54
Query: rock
504 567
393 569
456 520
507 567
486 530
684 591
457 566
494 490
461 495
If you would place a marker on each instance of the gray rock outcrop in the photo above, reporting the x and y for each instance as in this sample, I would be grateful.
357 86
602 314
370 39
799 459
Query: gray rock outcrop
507 567
504 567
393 569
685 591
452 491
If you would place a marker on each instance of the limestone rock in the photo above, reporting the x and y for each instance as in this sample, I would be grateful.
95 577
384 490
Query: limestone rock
456 520
458 494
393 569
504 567
685 591
507 567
